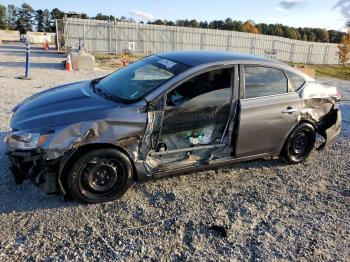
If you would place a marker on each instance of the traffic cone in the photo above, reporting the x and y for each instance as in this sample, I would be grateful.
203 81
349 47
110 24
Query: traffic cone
125 61
45 45
68 64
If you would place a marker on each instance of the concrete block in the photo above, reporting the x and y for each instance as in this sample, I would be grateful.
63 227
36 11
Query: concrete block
82 61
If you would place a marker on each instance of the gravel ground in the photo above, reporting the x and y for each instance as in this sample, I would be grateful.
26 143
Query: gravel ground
260 210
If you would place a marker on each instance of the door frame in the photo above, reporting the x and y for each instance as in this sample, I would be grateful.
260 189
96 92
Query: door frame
229 126
290 91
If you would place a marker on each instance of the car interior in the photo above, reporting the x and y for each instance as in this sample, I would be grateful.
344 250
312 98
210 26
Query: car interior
201 84
197 111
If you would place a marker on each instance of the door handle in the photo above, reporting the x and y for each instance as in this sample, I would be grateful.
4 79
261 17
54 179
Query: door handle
289 110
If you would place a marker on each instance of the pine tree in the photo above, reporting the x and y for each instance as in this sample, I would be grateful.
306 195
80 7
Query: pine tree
47 21
39 18
2 17
57 14
24 20
311 37
11 17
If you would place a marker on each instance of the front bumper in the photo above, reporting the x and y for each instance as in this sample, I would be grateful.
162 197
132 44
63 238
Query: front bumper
30 164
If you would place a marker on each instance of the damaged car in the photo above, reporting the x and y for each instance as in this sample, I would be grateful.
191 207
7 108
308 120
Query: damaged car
167 114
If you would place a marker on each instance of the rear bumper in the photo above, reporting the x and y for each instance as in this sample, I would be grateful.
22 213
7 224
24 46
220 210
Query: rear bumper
330 127
333 131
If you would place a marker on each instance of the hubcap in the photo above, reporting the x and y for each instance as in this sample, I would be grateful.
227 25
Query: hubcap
300 143
100 176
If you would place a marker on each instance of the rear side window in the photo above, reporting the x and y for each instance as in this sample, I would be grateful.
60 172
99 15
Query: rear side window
295 80
264 81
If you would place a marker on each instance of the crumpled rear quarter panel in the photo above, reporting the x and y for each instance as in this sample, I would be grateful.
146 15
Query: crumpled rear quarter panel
320 108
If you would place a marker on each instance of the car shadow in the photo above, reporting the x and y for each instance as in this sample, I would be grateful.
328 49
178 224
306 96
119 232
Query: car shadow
58 66
16 53
20 46
35 51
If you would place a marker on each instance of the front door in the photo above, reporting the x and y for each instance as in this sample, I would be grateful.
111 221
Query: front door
194 123
269 111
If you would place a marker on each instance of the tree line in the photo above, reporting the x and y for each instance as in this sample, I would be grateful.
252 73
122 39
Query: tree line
300 33
25 18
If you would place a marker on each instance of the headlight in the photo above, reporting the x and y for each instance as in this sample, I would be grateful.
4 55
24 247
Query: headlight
26 140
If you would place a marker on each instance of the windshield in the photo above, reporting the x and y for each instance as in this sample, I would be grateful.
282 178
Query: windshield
139 78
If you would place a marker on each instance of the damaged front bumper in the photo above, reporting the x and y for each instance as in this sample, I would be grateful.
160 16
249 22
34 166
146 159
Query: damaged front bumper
30 164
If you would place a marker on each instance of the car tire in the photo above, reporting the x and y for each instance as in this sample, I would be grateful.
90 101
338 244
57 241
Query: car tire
100 175
299 143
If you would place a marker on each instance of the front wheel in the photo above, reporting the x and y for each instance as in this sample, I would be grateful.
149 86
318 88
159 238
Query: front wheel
99 176
299 143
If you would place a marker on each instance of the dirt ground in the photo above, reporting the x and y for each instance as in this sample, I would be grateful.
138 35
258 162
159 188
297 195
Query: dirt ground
261 210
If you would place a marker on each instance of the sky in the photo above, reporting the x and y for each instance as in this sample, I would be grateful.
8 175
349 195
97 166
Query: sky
329 14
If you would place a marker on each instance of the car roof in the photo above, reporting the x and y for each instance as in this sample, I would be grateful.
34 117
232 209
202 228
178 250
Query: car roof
195 58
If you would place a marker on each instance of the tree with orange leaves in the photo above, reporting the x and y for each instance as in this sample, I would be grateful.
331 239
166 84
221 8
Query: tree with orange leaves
250 27
344 48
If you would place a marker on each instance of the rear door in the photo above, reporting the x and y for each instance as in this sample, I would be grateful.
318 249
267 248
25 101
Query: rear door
269 110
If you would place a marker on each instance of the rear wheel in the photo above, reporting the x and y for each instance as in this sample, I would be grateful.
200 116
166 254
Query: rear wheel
299 143
99 176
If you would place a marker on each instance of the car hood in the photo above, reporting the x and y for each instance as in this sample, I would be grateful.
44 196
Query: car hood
61 105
